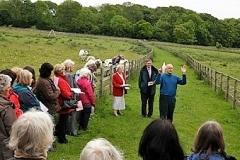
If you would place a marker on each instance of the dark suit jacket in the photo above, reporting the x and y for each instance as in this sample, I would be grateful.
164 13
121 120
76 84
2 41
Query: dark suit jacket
144 79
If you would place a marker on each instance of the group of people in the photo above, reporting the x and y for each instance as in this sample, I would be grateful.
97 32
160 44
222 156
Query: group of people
28 131
149 77
20 92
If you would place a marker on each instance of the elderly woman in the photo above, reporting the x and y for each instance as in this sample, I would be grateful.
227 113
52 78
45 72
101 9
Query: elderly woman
72 122
45 89
13 97
7 116
65 94
88 98
100 149
118 82
26 97
31 136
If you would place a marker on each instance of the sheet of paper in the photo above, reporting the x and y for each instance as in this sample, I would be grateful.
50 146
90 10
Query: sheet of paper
80 106
126 85
77 90
55 81
150 83
43 107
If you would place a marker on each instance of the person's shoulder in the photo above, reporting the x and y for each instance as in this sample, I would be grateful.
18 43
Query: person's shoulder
213 156
154 69
143 68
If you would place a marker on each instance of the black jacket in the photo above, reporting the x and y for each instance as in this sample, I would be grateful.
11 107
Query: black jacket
144 79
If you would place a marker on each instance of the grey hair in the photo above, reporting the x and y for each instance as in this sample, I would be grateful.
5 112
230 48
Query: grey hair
68 62
100 149
84 72
5 82
32 133
119 66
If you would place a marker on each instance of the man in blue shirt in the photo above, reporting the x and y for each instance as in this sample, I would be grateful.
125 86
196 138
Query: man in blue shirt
168 88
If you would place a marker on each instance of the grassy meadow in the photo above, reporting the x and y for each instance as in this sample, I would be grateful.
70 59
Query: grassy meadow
196 101
20 47
223 60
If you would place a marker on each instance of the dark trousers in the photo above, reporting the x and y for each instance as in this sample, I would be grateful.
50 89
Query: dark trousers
166 107
84 117
61 128
147 98
72 123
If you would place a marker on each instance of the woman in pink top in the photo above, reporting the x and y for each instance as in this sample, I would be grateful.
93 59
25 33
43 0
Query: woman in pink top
88 98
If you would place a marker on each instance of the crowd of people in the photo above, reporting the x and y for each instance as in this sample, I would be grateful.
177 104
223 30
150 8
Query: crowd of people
27 130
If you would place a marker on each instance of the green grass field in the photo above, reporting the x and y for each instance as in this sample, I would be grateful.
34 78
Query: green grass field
196 102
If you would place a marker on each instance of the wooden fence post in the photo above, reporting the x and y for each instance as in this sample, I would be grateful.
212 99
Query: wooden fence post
221 82
215 81
101 82
227 88
234 93
111 70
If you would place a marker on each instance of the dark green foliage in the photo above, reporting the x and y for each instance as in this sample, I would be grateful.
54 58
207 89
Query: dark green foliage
5 17
167 24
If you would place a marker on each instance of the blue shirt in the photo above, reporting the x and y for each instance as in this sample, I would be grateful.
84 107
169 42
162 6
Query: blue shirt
169 83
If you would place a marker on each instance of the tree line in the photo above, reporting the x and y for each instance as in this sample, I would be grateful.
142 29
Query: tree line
167 24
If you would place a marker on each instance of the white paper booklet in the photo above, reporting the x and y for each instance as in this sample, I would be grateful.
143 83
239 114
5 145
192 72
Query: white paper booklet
163 67
126 85
77 90
55 81
43 107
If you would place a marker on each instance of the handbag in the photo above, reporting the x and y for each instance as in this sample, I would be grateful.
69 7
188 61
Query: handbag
70 103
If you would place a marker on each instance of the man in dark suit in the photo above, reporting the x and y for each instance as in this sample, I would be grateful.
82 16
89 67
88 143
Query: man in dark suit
146 84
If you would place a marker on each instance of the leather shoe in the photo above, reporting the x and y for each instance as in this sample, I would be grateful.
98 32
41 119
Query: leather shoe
119 113
74 135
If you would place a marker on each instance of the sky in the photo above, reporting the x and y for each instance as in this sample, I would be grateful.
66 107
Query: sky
218 8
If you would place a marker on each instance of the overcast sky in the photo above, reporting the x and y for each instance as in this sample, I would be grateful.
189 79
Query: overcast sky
217 8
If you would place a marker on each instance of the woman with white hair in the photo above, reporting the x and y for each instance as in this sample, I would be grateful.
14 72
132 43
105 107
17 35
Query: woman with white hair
26 97
31 136
100 149
118 82
88 98
7 116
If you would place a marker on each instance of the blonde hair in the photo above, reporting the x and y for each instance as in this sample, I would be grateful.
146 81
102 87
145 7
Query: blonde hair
5 82
32 134
17 70
68 63
25 77
100 149
58 69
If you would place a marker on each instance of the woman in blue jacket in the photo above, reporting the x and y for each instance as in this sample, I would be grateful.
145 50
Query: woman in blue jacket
209 143
27 98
